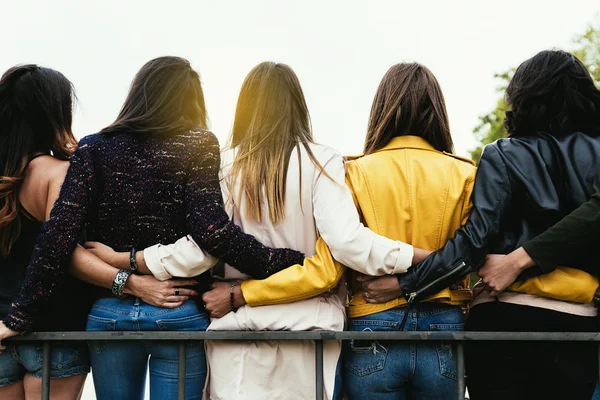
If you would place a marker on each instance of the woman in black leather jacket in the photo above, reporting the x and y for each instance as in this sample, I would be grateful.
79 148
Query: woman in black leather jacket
524 185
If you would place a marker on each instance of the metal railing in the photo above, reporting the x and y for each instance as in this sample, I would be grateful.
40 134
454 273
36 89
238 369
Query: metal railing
182 338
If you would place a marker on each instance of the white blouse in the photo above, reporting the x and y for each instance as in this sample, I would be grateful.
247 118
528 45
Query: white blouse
319 206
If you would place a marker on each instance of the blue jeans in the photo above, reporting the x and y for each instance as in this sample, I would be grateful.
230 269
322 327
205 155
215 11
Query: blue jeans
398 371
119 369
66 360
597 393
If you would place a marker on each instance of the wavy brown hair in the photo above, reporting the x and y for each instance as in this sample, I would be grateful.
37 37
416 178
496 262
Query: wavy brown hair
409 101
271 119
36 113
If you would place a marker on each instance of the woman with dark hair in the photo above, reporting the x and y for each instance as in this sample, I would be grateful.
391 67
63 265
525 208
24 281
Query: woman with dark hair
525 184
150 177
410 187
36 142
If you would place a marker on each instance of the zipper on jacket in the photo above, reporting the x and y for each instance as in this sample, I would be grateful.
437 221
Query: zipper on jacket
412 296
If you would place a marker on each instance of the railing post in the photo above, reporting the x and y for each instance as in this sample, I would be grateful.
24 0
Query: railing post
46 371
460 371
319 368
181 361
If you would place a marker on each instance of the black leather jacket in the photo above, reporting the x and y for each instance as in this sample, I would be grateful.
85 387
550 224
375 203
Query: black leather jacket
523 186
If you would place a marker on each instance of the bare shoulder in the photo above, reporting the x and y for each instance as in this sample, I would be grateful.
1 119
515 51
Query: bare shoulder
47 169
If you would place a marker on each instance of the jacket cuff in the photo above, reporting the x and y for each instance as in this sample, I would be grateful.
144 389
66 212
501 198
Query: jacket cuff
404 258
406 283
17 324
538 259
154 263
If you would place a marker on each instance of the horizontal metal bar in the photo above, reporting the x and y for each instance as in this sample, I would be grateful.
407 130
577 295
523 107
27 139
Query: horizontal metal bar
314 335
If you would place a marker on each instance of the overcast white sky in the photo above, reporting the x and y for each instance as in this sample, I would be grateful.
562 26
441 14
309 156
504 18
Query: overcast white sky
339 49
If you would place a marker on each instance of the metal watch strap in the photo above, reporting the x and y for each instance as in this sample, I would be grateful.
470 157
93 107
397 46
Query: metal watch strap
118 285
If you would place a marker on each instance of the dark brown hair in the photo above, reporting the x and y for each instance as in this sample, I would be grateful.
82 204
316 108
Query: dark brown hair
36 112
553 93
165 99
409 101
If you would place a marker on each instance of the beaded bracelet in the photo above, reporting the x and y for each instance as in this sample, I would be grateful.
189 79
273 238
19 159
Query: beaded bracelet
231 302
118 285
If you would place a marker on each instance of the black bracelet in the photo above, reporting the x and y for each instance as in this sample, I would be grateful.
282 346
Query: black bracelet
132 263
119 282
231 302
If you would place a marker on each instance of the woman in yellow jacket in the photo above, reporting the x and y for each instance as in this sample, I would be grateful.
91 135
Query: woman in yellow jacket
407 186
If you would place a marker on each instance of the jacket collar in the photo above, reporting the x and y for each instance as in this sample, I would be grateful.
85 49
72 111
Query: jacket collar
401 142
407 142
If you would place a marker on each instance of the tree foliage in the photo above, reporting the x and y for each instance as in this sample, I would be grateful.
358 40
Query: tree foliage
491 126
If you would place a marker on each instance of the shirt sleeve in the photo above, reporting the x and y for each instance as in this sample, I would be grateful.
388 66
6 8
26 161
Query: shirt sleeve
57 240
571 239
317 275
350 242
182 259
211 227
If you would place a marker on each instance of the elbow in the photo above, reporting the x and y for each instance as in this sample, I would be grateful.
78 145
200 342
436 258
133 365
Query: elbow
330 280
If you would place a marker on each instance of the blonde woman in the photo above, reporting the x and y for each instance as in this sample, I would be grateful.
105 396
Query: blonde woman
287 191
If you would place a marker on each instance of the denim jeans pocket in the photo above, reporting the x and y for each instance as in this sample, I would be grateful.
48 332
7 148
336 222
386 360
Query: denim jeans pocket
63 357
195 322
364 357
445 351
99 324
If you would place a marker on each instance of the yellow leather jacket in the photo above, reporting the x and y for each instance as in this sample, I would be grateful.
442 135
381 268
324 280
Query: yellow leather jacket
409 191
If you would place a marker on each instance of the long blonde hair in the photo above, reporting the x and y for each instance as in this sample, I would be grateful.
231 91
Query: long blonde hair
271 119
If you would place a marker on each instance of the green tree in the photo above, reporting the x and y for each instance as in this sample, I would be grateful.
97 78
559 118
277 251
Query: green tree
491 126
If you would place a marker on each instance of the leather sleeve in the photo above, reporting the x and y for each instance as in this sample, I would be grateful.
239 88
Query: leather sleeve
464 253
575 237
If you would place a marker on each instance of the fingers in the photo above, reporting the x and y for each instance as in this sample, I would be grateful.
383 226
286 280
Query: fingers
366 278
180 283
176 299
180 292
172 305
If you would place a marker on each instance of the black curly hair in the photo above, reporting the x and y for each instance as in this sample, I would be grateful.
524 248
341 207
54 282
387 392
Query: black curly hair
553 93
